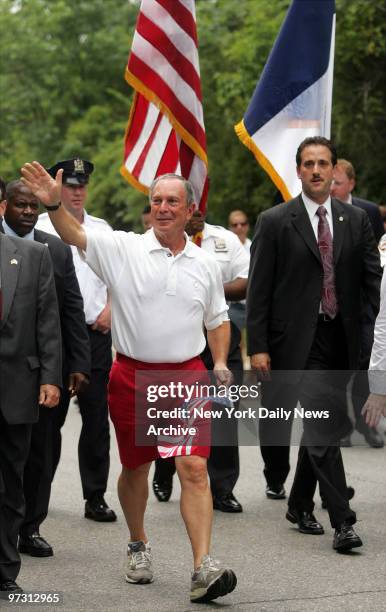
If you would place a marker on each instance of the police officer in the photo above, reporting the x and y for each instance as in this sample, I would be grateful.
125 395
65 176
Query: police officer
94 441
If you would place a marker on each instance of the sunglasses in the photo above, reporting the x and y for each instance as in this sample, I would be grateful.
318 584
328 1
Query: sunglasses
241 223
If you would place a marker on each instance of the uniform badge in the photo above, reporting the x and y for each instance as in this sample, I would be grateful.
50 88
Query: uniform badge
14 262
220 246
79 166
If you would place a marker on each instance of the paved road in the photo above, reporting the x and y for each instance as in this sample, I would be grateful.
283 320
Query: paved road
278 569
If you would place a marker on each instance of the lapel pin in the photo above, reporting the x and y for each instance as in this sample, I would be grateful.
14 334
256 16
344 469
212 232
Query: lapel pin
13 262
340 218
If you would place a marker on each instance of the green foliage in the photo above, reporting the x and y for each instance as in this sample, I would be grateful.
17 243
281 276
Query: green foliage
63 93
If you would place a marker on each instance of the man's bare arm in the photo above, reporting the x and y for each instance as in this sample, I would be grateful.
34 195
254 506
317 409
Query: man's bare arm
219 342
48 191
236 289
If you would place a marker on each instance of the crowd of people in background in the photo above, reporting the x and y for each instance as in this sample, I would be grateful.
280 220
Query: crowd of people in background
313 274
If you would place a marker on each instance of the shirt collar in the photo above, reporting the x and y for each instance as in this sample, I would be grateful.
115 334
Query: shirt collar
152 244
9 231
312 206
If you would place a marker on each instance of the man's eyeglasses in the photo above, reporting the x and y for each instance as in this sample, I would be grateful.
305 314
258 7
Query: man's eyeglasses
241 223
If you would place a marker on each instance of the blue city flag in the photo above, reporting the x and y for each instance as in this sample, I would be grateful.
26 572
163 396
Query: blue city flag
293 96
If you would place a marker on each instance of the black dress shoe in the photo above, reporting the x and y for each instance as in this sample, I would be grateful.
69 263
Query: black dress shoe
96 509
350 495
163 490
275 491
372 437
35 545
345 538
227 503
306 521
10 586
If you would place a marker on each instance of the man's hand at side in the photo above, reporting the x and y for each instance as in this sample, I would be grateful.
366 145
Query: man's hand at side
374 408
103 322
262 363
222 374
49 395
77 382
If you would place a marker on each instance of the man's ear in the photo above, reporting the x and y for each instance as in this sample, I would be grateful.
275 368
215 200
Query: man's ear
3 206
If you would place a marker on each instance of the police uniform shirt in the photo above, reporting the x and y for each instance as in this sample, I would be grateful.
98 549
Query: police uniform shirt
228 251
93 289
159 301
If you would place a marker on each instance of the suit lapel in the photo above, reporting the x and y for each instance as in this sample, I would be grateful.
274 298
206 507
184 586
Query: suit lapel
39 238
10 260
302 224
339 220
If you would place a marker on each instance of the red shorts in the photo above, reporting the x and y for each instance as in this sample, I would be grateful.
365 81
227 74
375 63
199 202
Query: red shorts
126 393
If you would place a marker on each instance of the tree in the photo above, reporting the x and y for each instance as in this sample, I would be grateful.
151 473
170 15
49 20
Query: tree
63 93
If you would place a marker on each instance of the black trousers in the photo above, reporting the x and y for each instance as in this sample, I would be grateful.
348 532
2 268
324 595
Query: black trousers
14 448
38 472
321 388
223 463
94 440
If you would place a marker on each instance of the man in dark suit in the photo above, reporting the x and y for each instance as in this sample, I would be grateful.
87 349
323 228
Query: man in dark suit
341 188
30 374
312 259
20 217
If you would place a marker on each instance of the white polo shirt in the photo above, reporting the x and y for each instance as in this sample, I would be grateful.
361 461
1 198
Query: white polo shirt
228 251
159 302
92 288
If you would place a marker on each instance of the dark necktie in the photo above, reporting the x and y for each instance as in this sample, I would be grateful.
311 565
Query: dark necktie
329 301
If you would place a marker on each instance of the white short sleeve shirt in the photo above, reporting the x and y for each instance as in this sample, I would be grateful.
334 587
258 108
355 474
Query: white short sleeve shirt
228 251
159 302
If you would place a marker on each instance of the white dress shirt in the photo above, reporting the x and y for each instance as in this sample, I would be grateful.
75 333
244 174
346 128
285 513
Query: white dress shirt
92 288
159 302
377 369
312 207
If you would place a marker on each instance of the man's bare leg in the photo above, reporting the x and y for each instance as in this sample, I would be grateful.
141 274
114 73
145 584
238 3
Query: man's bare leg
133 492
196 504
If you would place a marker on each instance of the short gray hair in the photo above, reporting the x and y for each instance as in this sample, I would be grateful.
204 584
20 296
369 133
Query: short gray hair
189 192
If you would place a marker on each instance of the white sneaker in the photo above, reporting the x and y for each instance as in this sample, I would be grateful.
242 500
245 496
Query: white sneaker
210 581
139 558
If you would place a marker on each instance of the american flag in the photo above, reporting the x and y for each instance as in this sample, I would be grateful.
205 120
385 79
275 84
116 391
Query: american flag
166 131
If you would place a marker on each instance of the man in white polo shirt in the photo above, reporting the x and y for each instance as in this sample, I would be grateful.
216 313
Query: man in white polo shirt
163 289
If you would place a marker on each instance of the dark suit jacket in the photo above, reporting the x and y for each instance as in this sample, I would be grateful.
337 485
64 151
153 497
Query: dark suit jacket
30 344
374 216
75 338
286 279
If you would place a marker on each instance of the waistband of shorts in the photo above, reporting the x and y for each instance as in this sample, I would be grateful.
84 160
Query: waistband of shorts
146 365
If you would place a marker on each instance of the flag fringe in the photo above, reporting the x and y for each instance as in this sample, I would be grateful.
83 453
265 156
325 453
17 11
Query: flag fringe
140 87
245 138
133 181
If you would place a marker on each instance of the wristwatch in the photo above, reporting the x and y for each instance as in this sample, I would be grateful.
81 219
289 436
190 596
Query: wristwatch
53 207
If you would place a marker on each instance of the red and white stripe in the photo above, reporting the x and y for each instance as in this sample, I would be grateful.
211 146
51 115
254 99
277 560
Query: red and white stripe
166 131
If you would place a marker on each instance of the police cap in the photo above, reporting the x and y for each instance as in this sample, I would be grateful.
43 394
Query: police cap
75 171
